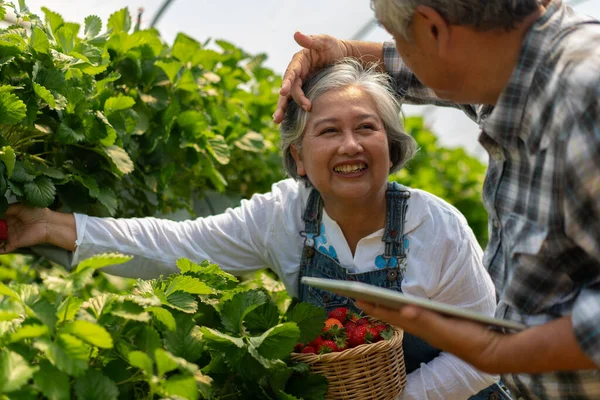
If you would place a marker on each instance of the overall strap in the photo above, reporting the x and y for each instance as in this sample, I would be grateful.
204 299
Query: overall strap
397 204
312 216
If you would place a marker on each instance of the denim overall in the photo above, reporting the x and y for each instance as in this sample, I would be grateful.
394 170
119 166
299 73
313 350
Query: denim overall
319 263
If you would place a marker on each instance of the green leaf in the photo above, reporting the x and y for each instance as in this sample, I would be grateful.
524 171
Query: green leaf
262 318
53 19
182 386
6 291
103 260
188 284
29 332
53 383
278 342
308 387
182 301
309 318
68 354
251 141
141 360
171 68
186 340
218 149
164 362
40 193
12 109
268 363
66 38
75 96
108 199
39 41
93 25
148 340
119 103
184 48
120 159
15 371
68 309
66 135
94 385
130 311
45 312
90 332
235 310
44 94
220 340
187 82
120 21
7 156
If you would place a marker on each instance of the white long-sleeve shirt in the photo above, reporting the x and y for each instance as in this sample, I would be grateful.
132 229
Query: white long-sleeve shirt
443 262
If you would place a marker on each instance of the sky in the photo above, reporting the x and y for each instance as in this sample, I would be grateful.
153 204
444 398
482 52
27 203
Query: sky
267 26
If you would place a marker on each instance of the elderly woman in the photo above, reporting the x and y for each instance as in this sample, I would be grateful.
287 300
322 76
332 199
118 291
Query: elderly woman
338 217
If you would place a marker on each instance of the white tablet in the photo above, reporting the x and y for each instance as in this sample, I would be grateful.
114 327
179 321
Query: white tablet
377 295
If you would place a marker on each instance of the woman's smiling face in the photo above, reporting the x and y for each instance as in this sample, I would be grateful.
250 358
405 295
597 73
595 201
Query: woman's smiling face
345 150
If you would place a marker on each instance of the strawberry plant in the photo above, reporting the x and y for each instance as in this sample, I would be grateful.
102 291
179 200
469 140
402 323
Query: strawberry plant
195 334
117 122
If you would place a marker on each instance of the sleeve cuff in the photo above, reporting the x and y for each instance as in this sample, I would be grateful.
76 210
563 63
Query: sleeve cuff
80 225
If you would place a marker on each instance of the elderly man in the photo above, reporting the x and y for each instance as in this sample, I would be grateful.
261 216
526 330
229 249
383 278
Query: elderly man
528 72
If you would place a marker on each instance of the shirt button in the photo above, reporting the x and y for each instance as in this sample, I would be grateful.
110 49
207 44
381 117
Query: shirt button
498 155
495 223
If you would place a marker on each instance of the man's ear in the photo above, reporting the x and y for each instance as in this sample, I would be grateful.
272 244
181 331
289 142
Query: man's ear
299 162
432 30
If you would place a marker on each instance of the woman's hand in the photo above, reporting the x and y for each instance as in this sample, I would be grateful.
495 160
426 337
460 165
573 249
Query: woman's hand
27 226
318 52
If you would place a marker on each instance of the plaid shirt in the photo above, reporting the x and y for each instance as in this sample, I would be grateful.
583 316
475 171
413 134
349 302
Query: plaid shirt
542 188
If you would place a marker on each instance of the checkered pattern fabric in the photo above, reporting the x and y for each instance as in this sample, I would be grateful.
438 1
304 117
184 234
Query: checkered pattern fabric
542 189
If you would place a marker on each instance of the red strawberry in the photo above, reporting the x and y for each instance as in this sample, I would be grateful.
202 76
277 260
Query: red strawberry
328 346
339 313
375 335
350 326
380 327
317 342
3 229
298 348
309 349
360 335
362 321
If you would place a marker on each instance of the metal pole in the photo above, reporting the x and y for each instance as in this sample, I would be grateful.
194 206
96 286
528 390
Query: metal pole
160 12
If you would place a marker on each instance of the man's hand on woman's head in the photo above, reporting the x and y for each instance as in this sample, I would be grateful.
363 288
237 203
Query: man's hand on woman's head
318 52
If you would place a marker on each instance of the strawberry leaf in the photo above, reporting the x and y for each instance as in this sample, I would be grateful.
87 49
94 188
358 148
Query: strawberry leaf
15 371
95 385
188 284
309 318
278 342
89 332
93 25
235 310
53 383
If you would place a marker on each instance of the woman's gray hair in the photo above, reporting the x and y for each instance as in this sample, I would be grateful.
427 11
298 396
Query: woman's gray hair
345 73
396 15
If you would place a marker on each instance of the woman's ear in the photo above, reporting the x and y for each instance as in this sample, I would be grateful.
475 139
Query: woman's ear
298 158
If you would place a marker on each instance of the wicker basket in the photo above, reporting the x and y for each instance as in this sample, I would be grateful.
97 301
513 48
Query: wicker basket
369 371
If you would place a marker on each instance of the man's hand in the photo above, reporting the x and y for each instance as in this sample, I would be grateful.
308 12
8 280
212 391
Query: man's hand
544 348
472 342
318 52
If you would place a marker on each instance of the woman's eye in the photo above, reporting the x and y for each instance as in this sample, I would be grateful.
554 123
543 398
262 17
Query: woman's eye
367 126
327 130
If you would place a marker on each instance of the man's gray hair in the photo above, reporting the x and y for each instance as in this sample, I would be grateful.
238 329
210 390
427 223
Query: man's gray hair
482 15
348 73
